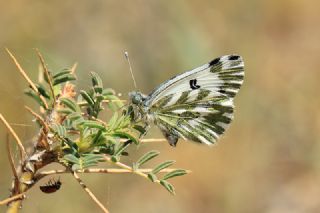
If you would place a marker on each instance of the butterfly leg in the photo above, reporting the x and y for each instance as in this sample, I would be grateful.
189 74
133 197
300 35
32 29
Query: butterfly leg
146 129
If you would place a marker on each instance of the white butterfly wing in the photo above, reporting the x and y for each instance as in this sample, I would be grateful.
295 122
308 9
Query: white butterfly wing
198 104
221 76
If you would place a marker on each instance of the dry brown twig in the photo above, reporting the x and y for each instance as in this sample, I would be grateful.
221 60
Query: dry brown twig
46 72
86 189
22 150
13 198
39 118
10 157
26 77
74 67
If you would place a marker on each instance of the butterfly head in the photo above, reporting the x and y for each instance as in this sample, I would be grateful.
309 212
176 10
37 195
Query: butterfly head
137 98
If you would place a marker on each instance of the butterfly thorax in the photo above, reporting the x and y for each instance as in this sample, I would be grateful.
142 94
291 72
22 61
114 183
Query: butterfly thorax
140 110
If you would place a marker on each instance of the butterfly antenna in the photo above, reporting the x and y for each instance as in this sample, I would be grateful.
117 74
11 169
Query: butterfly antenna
126 54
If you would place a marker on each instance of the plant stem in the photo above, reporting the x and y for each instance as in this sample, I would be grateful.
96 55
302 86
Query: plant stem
26 77
46 72
11 161
13 198
124 166
85 188
23 152
42 174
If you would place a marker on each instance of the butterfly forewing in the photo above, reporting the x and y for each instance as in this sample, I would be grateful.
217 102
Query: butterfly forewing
198 105
222 76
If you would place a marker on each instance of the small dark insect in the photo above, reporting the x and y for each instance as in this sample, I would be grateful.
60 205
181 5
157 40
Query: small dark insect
51 187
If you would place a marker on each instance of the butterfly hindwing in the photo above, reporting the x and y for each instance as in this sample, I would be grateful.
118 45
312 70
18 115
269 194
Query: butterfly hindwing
202 120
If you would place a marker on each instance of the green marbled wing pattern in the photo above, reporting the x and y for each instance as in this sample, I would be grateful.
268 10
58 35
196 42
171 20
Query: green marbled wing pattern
221 76
199 106
203 120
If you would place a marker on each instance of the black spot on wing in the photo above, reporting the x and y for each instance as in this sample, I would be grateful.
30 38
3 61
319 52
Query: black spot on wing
193 84
222 91
233 57
214 62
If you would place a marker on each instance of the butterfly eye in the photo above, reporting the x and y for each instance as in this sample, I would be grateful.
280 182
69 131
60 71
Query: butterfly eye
136 98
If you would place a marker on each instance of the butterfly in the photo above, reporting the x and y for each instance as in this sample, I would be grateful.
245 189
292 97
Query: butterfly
196 105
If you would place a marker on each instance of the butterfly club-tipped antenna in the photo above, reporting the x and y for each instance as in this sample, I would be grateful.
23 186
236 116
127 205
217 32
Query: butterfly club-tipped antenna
126 54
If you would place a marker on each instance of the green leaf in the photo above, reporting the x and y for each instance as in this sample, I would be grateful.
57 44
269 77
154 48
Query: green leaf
90 160
112 122
125 135
76 123
72 148
35 97
175 173
70 104
162 166
57 90
71 158
88 165
96 80
59 129
115 158
43 91
148 156
97 138
99 98
111 140
66 111
74 116
168 186
47 77
114 102
120 149
140 129
152 177
93 157
63 79
62 73
93 124
108 91
97 83
87 97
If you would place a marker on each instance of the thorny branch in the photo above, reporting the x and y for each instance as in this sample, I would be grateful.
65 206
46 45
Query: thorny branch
42 174
26 77
14 134
86 189
46 72
11 161
13 198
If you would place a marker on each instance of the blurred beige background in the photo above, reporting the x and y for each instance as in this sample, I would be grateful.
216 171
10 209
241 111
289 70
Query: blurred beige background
268 161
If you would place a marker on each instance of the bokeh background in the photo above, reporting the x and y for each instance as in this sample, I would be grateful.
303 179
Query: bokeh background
268 161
